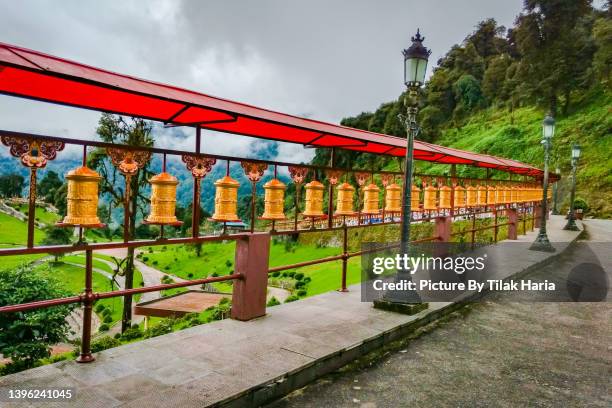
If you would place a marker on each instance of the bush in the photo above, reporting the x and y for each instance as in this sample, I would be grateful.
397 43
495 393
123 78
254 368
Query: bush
167 268
103 327
298 276
132 333
306 279
228 263
291 274
99 308
291 298
300 284
107 319
155 262
117 336
150 250
224 301
581 204
190 275
273 302
164 327
145 258
106 312
301 292
214 274
275 274
104 343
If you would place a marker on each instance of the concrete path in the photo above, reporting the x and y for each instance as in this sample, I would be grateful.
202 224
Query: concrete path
249 363
503 353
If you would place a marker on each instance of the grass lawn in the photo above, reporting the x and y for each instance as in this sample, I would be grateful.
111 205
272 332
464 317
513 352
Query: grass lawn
72 279
14 232
80 259
42 215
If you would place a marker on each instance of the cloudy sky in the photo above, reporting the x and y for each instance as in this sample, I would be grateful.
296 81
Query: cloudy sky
316 58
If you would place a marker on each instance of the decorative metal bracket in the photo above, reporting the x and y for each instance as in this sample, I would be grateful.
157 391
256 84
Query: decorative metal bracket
128 162
198 166
254 170
333 176
34 153
298 174
387 179
362 177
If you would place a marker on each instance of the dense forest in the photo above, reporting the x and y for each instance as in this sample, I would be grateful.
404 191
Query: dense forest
501 81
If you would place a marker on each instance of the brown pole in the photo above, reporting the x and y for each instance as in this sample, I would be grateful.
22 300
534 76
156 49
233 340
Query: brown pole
253 202
126 209
330 199
195 209
344 254
31 207
88 299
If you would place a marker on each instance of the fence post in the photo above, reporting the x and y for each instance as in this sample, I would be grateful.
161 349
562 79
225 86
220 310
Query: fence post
537 209
513 223
249 295
88 300
443 228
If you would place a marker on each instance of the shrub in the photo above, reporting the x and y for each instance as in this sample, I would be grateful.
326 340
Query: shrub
103 327
132 333
228 263
301 292
190 275
141 283
106 312
107 319
104 343
167 267
298 276
224 301
145 258
214 274
291 274
306 279
273 302
155 262
581 204
99 308
150 250
117 336
300 284
291 298
275 274
164 327
284 274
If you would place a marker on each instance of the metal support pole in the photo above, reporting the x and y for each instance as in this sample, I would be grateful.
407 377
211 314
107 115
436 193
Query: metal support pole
571 219
253 203
330 198
88 300
344 254
31 207
542 243
555 208
195 210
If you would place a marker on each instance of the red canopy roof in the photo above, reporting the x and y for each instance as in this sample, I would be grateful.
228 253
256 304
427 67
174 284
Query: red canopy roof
31 74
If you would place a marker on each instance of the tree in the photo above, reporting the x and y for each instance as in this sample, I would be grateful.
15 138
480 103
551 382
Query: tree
468 92
48 186
57 236
26 337
11 185
602 60
488 39
134 132
495 78
549 45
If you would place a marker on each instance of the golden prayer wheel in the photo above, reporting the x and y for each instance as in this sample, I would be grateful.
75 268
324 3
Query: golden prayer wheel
163 199
429 199
481 196
445 197
491 195
514 194
459 197
370 199
314 199
415 202
274 200
82 206
507 194
499 195
344 202
522 194
471 198
226 198
549 194
393 198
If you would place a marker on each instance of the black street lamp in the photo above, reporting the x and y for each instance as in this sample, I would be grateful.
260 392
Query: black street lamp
555 209
571 221
548 131
415 67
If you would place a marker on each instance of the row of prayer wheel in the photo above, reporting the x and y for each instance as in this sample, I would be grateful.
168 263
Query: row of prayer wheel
83 198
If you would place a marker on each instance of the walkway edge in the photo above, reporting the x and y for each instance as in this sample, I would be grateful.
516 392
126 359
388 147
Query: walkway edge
303 376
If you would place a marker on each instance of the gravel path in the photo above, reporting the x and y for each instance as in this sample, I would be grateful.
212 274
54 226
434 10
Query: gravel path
501 352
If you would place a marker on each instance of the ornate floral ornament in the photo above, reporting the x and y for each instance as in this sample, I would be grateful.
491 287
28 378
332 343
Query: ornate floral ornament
128 161
199 166
34 153
253 170
362 177
386 179
298 174
333 176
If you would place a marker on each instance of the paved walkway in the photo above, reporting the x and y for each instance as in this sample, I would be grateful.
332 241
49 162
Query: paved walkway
247 362
503 353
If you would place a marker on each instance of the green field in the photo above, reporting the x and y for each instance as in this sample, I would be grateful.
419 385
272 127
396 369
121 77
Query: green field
14 232
42 215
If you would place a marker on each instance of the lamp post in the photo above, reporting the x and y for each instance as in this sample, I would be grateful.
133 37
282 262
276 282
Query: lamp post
415 67
555 209
571 220
542 243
